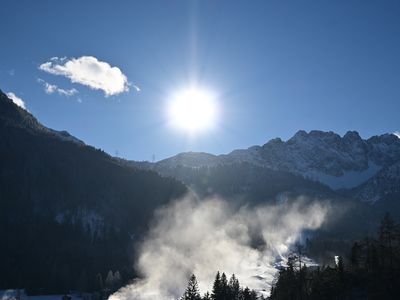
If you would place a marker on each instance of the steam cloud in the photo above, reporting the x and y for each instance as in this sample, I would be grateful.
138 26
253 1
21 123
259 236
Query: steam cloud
201 237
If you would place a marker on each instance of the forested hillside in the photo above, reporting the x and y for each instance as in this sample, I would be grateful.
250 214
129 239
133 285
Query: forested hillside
369 270
69 213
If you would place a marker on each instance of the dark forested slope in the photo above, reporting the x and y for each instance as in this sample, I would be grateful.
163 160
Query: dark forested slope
68 212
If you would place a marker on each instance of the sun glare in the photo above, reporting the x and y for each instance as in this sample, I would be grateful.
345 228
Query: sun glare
193 110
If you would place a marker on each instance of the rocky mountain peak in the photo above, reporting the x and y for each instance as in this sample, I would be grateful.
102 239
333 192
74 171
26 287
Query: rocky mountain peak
352 136
387 138
299 135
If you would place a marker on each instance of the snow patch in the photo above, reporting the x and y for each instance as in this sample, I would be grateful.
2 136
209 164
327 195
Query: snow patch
348 180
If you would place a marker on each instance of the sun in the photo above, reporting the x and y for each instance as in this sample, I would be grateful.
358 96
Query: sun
193 110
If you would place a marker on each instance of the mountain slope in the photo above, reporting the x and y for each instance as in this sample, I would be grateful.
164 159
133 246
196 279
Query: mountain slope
67 211
383 186
247 182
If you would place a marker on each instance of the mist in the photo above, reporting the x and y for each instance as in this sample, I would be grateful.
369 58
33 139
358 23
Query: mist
203 237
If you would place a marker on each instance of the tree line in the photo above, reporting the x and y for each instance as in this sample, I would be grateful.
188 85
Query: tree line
223 289
371 270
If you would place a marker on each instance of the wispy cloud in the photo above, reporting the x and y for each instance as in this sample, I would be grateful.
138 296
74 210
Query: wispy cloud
137 88
52 88
67 93
91 72
18 101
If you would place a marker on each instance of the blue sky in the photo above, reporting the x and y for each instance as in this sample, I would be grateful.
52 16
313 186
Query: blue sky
276 66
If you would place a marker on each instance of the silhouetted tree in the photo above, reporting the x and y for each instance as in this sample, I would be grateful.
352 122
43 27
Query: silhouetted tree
233 288
340 267
224 287
224 290
216 291
192 290
355 255
246 294
387 232
253 295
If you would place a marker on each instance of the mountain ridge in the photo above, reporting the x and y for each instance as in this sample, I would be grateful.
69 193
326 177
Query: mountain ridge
340 162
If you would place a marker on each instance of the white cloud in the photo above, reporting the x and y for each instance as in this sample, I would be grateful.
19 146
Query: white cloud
52 88
89 71
397 133
18 101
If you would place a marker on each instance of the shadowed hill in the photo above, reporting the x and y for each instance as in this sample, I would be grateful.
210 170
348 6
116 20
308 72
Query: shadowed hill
67 211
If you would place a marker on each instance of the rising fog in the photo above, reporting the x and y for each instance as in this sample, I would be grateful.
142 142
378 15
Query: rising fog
202 237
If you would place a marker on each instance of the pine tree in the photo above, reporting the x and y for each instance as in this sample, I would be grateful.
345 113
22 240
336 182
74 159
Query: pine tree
340 268
224 287
192 290
246 294
216 291
117 278
386 236
233 288
109 279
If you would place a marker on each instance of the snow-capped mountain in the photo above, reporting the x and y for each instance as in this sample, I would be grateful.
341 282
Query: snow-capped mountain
340 162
